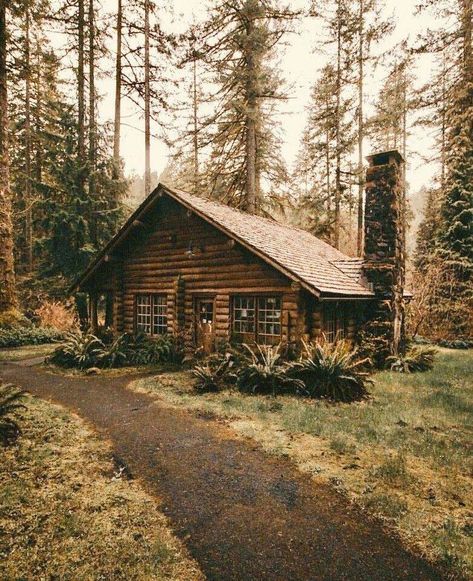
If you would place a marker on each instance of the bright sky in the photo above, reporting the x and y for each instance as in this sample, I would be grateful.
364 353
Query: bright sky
300 63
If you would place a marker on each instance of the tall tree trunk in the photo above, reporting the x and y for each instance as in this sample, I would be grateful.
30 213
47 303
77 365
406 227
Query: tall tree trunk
467 24
28 196
81 99
195 129
92 127
443 125
147 105
327 164
359 236
7 271
118 95
38 169
338 184
250 122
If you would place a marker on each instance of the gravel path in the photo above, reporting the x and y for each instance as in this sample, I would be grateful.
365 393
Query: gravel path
244 515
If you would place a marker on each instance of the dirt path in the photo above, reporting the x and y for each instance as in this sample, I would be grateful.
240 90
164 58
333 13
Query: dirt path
243 514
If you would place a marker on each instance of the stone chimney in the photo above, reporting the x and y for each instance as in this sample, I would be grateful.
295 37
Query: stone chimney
384 247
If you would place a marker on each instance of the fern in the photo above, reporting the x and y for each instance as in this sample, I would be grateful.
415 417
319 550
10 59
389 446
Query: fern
10 404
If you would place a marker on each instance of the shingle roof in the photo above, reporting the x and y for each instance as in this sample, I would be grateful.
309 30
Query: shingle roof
319 267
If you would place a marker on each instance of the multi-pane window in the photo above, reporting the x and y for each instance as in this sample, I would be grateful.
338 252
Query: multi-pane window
257 318
334 322
160 319
151 314
269 320
244 315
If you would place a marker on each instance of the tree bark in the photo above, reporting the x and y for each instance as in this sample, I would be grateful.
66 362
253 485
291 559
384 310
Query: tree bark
81 99
359 237
467 24
118 95
28 196
147 105
250 122
8 300
92 124
338 185
195 129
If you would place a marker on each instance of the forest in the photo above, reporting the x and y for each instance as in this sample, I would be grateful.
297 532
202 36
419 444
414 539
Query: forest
212 91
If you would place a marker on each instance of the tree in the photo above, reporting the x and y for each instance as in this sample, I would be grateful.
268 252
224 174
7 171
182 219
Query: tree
453 249
238 45
8 300
118 93
371 29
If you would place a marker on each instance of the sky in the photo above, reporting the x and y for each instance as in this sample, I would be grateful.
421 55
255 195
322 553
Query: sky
299 63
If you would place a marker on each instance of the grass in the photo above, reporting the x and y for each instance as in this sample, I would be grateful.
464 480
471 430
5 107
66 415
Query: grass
26 352
405 454
68 512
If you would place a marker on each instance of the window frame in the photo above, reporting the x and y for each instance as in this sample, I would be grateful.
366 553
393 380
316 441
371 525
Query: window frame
340 323
256 335
153 314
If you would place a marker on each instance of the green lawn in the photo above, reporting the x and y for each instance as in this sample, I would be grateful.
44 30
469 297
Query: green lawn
405 455
67 512
26 352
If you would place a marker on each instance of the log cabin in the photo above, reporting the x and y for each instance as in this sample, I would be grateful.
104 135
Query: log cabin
186 265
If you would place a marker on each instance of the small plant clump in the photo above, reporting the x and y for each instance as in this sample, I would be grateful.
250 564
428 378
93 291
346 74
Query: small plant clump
83 350
332 370
10 405
417 359
267 373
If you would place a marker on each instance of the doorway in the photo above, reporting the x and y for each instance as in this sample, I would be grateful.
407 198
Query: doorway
204 332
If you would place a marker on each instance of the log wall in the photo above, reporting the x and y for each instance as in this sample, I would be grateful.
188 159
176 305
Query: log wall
184 257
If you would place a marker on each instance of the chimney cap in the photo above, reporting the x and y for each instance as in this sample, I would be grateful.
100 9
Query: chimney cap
385 158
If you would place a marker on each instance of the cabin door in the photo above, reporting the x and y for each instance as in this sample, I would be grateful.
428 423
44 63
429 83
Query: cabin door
205 324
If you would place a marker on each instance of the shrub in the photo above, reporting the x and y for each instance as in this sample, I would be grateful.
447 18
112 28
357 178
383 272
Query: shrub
84 350
217 372
80 349
331 370
19 336
456 343
266 373
416 359
114 354
142 350
56 315
10 404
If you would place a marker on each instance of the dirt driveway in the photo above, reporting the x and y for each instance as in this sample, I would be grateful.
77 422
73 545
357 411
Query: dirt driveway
243 514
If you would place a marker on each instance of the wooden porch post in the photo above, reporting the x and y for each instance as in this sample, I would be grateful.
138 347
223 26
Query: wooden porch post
94 324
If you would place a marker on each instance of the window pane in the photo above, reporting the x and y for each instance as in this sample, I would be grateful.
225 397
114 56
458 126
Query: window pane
143 314
160 319
244 315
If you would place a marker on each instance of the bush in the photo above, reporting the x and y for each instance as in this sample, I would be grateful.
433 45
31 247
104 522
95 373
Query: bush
10 404
416 359
56 315
80 349
84 350
456 343
331 370
266 373
218 371
19 336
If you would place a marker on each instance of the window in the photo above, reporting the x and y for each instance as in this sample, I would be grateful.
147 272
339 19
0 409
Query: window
269 320
151 314
244 315
334 322
257 318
